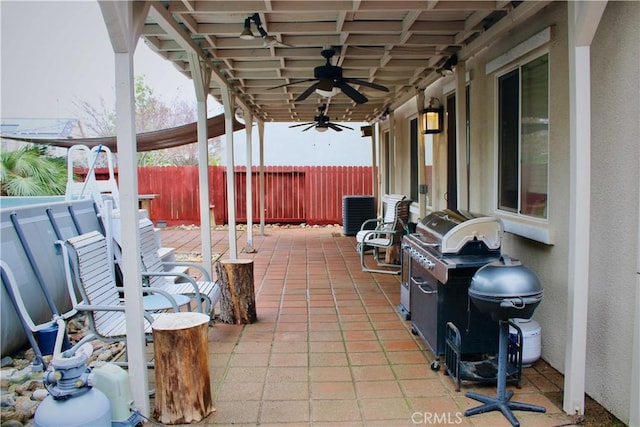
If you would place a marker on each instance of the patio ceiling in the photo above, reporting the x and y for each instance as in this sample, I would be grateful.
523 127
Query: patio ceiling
396 44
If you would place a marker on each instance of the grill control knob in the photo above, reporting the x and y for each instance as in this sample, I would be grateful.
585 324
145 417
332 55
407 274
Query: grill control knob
430 264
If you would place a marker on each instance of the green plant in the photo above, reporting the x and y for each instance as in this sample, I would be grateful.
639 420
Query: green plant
29 171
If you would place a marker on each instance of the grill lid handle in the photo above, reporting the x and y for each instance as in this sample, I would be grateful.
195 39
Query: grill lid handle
518 302
508 261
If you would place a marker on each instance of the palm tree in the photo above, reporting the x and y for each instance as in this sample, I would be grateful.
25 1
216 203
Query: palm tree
29 171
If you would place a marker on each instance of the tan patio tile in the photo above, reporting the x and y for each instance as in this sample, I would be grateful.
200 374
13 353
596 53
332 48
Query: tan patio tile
289 347
390 408
284 411
372 373
240 391
362 346
325 336
246 374
235 411
287 374
289 359
292 327
249 359
335 410
367 358
399 345
326 346
358 317
329 373
414 371
421 387
291 336
333 390
357 326
324 326
314 318
328 359
377 389
407 357
286 391
360 335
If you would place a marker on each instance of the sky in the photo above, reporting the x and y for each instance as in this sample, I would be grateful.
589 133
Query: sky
54 54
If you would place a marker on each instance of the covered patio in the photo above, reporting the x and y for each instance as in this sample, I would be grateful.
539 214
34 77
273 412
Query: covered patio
330 348
311 281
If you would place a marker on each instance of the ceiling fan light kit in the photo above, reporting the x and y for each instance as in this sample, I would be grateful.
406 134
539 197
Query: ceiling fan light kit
329 82
322 122
246 34
448 66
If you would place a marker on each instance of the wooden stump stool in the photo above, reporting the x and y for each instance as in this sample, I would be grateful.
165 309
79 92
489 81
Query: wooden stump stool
183 387
237 296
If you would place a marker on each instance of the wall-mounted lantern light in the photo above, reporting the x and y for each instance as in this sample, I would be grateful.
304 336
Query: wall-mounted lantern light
366 131
433 117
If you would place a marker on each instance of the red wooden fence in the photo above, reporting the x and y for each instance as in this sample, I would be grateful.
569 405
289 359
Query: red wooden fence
293 194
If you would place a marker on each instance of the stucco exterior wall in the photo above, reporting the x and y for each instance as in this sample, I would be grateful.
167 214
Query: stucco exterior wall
615 154
615 181
549 262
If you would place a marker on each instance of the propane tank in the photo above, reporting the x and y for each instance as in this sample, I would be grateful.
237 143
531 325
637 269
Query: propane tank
72 401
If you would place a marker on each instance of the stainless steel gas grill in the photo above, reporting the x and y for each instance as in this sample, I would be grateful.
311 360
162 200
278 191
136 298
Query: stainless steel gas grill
439 260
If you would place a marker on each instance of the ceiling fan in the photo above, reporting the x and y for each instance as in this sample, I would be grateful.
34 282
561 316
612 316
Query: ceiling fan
329 81
322 122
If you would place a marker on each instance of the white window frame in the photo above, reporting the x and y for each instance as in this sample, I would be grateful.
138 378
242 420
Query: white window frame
518 66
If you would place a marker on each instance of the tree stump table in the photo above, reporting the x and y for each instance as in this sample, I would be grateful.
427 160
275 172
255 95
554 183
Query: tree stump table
183 387
237 296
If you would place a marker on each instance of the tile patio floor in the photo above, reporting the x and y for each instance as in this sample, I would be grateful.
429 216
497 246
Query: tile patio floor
329 347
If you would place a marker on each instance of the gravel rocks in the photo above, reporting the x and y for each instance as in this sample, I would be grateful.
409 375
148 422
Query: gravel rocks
22 389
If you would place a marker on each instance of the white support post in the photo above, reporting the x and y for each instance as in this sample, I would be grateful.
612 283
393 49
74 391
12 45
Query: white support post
583 20
462 157
248 124
634 410
124 21
579 214
201 74
422 173
392 152
383 160
261 176
228 101
374 162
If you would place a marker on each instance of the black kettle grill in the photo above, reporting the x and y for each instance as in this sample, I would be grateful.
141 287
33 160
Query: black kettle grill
504 289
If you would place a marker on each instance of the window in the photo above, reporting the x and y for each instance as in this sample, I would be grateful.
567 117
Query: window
523 139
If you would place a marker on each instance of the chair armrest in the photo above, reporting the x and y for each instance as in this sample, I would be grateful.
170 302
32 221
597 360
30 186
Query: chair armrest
376 234
151 290
205 273
191 280
87 307
369 221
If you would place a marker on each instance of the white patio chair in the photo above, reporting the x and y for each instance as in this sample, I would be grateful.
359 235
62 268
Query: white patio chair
155 271
88 275
381 234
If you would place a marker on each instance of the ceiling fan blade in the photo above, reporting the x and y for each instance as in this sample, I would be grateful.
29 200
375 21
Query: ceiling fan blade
357 97
342 126
306 129
292 83
367 84
304 95
334 127
301 124
283 44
